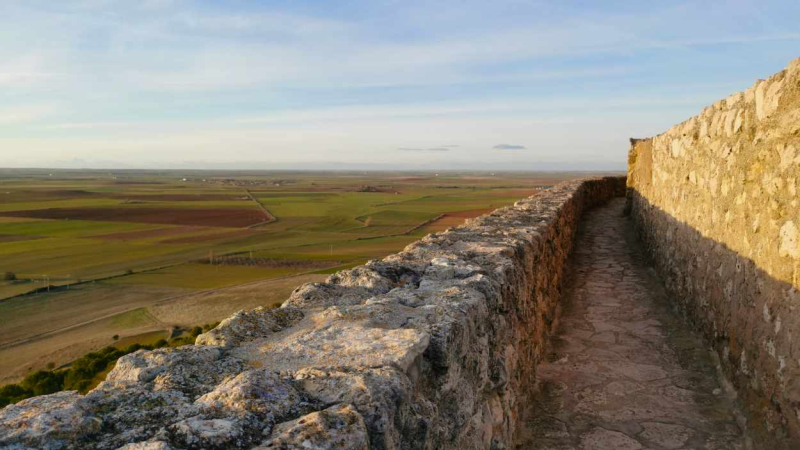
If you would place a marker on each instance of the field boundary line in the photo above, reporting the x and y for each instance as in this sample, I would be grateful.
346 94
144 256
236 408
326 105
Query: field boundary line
405 233
271 218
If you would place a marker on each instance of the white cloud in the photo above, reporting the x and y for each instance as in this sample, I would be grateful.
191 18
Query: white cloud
25 71
25 114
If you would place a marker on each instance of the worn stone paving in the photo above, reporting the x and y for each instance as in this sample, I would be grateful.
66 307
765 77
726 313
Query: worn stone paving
625 373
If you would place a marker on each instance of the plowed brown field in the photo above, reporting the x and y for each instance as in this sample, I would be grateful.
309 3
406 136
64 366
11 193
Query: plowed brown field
222 217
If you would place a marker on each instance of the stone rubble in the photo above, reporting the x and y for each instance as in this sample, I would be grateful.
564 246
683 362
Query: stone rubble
433 347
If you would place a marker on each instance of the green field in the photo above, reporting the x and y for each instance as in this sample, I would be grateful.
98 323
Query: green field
115 248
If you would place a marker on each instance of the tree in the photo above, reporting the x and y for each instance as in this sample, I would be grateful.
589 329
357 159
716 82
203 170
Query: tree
10 276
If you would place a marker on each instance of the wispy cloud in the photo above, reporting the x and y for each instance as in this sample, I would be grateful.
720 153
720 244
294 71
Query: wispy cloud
509 147
424 150
87 125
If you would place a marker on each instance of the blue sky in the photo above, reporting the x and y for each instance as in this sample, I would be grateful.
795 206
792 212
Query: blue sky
403 84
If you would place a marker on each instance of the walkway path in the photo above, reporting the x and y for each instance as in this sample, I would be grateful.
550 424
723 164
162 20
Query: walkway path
625 372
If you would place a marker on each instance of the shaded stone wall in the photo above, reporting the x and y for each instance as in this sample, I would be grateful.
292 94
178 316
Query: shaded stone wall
435 347
715 200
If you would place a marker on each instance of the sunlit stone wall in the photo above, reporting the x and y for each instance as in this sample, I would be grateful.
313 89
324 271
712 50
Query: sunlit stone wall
716 201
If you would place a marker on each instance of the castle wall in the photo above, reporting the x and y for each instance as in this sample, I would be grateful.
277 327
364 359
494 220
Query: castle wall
715 200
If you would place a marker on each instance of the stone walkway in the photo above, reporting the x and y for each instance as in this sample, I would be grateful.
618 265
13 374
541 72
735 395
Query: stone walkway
625 373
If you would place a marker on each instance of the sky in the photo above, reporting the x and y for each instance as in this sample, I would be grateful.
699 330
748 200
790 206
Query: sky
524 85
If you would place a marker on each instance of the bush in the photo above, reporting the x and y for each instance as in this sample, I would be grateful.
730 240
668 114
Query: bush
43 382
132 348
115 337
10 276
210 326
178 341
83 370
12 393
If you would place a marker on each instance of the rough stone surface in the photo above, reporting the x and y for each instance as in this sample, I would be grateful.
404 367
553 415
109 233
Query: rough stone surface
715 200
154 445
245 325
338 427
48 422
433 347
624 371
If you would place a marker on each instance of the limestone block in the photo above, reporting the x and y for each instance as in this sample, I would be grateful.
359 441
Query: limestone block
257 391
340 343
47 422
790 241
196 432
339 427
247 325
768 94
189 369
152 445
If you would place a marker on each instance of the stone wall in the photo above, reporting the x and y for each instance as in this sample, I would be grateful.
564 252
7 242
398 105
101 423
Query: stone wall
432 348
715 200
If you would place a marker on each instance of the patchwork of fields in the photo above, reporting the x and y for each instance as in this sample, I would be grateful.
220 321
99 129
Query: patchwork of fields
136 253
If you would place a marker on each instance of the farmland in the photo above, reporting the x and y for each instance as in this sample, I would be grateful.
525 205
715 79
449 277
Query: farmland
87 255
